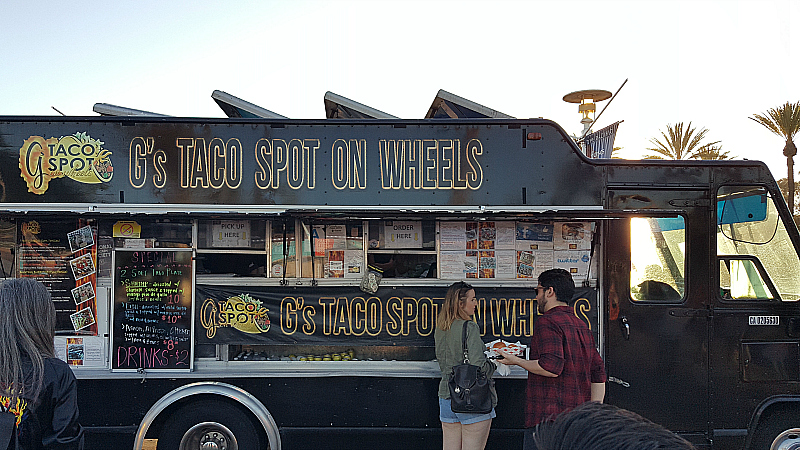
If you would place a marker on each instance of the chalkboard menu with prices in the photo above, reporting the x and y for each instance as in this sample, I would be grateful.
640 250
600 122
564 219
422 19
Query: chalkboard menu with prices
153 292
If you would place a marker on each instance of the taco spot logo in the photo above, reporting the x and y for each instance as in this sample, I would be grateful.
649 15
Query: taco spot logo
79 157
241 312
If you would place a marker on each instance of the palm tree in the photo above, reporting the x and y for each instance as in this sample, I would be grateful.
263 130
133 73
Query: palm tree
679 143
712 152
785 122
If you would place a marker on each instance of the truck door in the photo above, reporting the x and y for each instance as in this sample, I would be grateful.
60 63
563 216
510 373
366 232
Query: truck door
755 343
656 326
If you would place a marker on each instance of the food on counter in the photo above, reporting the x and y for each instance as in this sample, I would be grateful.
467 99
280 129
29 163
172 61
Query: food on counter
515 348
250 355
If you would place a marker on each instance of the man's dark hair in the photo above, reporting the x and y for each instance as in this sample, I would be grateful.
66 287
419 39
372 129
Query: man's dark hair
561 282
598 426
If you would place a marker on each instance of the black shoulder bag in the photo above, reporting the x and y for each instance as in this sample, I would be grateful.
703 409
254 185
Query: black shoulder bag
8 425
469 386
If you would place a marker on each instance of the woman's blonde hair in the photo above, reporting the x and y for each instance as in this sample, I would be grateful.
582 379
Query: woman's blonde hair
451 308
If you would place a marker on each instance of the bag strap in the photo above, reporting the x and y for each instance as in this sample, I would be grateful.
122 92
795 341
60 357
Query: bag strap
464 342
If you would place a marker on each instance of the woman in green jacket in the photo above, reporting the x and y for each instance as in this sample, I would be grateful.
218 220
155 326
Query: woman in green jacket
461 431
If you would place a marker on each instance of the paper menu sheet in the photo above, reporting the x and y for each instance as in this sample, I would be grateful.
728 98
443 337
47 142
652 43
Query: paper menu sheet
458 264
452 235
576 262
572 235
83 351
499 264
534 236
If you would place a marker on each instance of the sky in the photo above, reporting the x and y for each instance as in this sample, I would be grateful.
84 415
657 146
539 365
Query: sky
713 63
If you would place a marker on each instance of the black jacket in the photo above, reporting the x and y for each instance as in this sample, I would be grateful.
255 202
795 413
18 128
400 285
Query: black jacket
49 422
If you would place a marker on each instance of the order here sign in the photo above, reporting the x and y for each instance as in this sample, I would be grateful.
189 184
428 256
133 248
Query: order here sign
403 234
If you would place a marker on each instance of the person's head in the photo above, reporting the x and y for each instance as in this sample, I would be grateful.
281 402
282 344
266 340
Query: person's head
27 328
459 303
599 426
27 315
555 285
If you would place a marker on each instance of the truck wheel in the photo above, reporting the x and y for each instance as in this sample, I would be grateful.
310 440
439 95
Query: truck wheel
209 424
775 428
788 440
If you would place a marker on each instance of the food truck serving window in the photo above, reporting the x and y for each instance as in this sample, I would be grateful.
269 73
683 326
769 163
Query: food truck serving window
338 249
403 248
234 247
420 249
147 233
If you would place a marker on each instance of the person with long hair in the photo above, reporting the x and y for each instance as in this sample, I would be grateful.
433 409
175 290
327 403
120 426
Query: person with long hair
461 431
35 386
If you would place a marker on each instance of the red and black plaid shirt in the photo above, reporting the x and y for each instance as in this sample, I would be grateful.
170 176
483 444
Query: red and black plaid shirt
564 345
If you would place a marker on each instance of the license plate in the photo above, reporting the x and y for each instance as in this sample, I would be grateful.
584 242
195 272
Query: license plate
765 320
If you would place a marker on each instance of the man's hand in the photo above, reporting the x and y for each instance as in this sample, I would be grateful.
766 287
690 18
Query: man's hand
507 358
531 365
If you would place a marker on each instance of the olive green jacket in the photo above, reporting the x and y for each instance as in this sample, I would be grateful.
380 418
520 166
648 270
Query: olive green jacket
449 353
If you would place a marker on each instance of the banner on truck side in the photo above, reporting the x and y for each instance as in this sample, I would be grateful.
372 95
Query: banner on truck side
346 316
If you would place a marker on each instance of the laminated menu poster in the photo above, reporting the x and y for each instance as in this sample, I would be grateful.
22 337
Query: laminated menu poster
152 324
354 263
534 236
335 266
505 264
575 262
572 235
61 254
452 236
456 265
495 256
81 351
530 264
477 264
504 235
495 235
525 264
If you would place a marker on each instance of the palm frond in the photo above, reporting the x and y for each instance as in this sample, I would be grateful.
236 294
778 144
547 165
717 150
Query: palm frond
679 142
711 152
783 120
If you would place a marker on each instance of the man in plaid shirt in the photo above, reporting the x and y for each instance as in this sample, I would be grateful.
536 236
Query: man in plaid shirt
565 369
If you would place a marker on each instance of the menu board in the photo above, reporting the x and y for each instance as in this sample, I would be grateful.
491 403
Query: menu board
61 255
477 250
152 309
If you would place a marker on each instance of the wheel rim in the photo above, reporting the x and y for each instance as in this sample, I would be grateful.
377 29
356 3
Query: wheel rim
788 440
209 436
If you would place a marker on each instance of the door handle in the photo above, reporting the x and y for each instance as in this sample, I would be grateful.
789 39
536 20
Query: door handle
626 327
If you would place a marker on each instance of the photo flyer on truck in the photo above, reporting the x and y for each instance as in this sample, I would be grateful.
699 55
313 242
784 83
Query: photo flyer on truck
512 250
60 254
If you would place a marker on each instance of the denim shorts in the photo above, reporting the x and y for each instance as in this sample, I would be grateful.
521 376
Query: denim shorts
447 415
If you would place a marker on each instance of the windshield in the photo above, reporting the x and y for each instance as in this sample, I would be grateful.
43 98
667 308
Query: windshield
754 247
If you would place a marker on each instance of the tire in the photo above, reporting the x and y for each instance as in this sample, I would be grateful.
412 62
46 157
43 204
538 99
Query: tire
788 440
774 424
222 423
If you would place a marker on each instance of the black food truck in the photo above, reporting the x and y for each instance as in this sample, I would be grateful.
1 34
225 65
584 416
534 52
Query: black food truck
215 279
